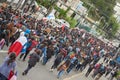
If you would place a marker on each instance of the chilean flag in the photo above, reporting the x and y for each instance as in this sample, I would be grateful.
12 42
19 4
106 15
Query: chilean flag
18 44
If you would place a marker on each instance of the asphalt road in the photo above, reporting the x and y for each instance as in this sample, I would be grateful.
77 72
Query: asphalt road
41 72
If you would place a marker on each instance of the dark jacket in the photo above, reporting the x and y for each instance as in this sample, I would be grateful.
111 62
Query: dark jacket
34 58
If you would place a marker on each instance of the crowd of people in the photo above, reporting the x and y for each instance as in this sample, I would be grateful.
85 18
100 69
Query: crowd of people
72 48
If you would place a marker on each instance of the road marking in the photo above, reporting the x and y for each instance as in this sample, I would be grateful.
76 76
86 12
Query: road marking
76 75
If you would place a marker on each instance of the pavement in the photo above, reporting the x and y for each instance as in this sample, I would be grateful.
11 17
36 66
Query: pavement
41 72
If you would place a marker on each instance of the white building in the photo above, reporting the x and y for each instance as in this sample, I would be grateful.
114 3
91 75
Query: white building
76 5
117 12
117 15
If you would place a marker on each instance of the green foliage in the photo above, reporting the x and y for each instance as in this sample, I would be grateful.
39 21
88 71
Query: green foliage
71 21
45 3
56 8
114 25
49 4
63 15
38 1
100 31
86 5
68 9
105 7
62 12
118 75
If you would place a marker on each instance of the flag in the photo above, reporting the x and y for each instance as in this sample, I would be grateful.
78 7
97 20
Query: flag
51 16
18 44
14 77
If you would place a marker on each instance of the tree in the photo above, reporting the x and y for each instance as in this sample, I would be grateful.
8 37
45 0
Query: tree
49 4
62 12
104 7
113 26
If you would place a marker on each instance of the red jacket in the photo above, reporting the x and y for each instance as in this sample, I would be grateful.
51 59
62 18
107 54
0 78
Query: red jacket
33 45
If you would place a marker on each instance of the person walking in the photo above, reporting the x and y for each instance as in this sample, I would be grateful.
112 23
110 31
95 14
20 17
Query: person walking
7 66
108 70
63 67
57 61
113 74
44 53
24 49
101 71
89 70
34 58
49 54
96 69
32 45
73 63
18 44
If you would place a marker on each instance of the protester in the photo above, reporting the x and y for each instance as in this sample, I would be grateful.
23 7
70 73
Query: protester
75 47
24 49
91 66
73 63
33 59
113 74
63 67
32 44
101 71
7 66
18 44
57 61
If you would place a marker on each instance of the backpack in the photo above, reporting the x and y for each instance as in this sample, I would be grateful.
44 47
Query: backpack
102 69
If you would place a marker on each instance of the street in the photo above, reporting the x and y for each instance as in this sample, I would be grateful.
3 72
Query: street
41 72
